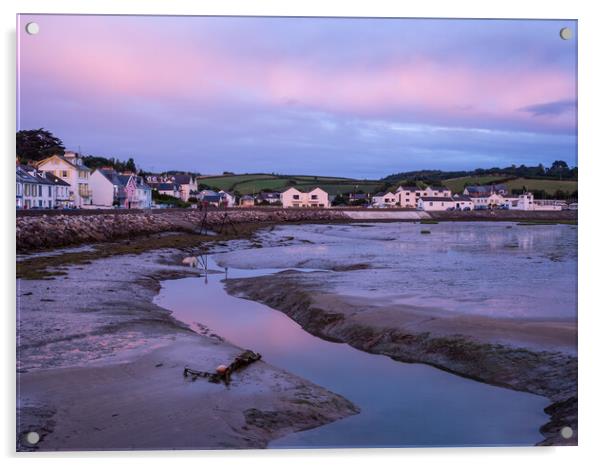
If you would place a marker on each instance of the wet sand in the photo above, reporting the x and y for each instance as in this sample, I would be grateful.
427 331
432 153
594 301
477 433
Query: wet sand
100 367
538 357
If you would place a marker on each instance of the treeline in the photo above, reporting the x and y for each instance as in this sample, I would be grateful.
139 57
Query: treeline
559 170
37 144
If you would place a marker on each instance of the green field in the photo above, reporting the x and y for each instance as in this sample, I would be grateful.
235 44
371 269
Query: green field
549 186
254 183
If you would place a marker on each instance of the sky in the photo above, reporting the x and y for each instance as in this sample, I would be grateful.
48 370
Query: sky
362 98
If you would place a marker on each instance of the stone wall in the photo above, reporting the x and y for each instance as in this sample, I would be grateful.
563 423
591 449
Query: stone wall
56 229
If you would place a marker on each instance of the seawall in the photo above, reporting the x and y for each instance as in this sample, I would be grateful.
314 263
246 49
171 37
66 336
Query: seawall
38 229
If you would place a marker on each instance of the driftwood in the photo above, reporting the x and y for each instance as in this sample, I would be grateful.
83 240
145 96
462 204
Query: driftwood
244 359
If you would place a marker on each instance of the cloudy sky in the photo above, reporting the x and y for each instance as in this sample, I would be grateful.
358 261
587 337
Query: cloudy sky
351 97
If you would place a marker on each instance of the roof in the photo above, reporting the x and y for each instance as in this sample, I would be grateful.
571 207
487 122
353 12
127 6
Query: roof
305 189
64 159
246 197
27 174
461 197
410 188
56 180
212 198
437 199
182 179
165 187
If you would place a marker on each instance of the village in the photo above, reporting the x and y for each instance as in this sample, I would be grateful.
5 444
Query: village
65 182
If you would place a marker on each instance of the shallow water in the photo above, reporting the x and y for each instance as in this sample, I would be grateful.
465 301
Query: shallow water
497 269
401 404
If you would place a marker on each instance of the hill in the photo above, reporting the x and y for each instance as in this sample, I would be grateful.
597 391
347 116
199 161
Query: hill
550 187
254 183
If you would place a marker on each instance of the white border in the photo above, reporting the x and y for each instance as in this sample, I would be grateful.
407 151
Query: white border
590 156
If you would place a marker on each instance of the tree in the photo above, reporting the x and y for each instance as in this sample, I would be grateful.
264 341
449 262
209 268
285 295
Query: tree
37 144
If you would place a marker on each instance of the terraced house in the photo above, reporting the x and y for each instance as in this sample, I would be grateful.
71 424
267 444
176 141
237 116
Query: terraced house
40 190
71 169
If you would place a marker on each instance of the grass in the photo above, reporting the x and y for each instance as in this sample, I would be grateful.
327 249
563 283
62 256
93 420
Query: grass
254 183
549 186
457 184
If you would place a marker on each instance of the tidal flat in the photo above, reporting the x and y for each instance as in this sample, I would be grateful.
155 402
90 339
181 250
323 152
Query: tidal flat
487 311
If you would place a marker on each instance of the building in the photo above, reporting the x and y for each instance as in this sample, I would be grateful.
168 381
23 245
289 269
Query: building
112 189
167 189
484 191
268 198
408 196
62 196
185 185
294 197
384 200
487 200
143 194
247 201
228 199
70 168
33 190
462 202
40 190
436 203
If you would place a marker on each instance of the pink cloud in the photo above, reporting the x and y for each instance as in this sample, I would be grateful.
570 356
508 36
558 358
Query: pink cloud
94 61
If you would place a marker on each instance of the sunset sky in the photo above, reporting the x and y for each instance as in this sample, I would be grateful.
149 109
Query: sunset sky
350 97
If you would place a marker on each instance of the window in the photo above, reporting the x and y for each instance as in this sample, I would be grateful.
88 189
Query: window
40 204
50 191
296 197
40 192
64 173
314 197
430 203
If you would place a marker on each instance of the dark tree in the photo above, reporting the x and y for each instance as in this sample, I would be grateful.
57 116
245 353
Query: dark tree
37 144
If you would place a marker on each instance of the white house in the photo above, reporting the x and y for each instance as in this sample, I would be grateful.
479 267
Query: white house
70 168
106 188
526 201
486 201
462 202
436 203
228 199
294 197
383 200
408 196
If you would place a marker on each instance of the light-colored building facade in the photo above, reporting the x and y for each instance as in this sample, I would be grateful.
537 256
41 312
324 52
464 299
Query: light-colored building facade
408 196
315 197
70 168
488 201
384 200
40 190
435 203
228 199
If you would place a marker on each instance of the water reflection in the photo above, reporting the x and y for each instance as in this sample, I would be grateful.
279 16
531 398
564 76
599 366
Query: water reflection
401 404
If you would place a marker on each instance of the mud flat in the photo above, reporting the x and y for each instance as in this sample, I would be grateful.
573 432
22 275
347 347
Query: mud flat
100 367
471 299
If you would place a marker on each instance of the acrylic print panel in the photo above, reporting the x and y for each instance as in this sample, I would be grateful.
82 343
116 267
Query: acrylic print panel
252 232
